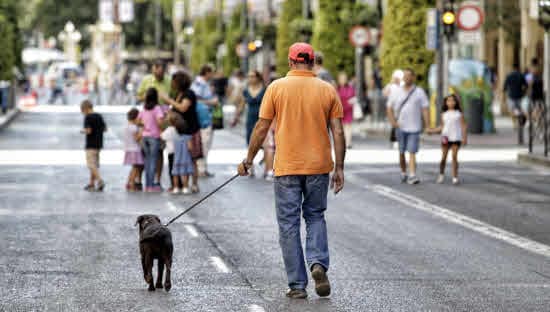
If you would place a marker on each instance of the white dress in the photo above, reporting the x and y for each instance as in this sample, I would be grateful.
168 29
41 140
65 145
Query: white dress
452 125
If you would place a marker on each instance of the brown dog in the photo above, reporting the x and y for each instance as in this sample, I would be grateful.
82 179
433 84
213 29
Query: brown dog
155 242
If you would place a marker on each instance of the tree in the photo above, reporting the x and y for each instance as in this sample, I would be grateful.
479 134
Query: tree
141 31
11 10
504 14
233 36
404 42
330 35
50 16
7 55
205 41
286 35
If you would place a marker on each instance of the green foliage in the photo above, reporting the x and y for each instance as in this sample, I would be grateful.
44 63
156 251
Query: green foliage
52 15
12 10
286 35
404 42
504 14
364 15
7 52
330 35
140 33
205 41
233 36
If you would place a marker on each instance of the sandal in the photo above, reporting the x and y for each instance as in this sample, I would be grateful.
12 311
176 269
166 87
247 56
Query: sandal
195 189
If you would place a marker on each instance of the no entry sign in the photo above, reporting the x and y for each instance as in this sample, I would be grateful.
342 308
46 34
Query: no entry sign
470 17
359 36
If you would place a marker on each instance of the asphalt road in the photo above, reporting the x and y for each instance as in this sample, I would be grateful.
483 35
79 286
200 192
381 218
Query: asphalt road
393 247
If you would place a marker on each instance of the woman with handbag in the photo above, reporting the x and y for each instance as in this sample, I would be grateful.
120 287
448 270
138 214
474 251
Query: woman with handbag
185 104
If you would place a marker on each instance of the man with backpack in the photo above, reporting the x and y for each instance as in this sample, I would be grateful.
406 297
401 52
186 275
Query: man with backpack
407 107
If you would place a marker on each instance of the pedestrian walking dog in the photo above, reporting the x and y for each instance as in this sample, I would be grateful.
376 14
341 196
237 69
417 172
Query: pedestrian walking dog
155 242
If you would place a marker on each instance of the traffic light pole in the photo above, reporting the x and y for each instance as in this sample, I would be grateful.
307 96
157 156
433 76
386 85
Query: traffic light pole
440 63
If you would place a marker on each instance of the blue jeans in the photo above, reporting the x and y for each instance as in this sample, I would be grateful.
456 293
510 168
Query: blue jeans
408 141
151 147
306 194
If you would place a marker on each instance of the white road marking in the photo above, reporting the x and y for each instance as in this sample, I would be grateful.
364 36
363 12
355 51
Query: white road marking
192 230
255 308
175 209
220 266
171 206
75 109
462 220
234 156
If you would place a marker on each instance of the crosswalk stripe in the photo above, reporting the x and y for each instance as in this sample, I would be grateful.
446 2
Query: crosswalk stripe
220 266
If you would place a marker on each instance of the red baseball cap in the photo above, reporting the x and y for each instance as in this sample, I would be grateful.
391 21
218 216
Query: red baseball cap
300 48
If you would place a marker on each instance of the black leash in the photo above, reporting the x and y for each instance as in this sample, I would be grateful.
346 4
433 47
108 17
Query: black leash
203 199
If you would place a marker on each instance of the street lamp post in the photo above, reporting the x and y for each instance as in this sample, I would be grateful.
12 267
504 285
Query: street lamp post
70 38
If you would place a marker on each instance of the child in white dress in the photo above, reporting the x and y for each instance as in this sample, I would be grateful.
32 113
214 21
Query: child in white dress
454 134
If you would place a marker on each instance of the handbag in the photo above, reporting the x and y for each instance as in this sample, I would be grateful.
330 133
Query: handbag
217 118
357 109
393 133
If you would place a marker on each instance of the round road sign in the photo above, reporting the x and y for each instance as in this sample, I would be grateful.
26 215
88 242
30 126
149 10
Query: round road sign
470 17
359 36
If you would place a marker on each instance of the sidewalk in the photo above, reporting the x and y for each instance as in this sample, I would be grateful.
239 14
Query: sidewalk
5 119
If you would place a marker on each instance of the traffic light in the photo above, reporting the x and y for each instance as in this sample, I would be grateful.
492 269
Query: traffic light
448 19
544 13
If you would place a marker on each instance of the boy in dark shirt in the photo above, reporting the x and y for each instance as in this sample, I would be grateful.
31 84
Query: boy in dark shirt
94 126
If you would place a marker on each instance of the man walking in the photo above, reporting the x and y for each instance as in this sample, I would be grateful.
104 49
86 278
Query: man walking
302 107
515 87
407 106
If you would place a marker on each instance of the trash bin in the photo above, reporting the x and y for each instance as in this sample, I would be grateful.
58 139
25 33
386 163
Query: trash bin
4 95
475 115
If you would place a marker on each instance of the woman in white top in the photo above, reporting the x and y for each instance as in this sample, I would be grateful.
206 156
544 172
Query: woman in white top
453 131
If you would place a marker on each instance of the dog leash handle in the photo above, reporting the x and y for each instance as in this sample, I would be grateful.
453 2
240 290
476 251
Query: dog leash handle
203 199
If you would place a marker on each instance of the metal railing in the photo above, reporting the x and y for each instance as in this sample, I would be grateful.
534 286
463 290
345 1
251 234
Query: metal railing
539 126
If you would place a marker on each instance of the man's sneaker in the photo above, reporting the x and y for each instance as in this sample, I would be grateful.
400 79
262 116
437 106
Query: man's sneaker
89 188
100 186
157 185
186 191
413 180
322 285
404 178
175 191
296 293
440 179
455 181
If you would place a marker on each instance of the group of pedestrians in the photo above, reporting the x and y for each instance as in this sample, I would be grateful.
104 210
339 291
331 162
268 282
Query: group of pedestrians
407 111
170 121
524 90
301 113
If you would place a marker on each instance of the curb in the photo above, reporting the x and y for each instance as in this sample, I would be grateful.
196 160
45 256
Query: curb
10 116
530 159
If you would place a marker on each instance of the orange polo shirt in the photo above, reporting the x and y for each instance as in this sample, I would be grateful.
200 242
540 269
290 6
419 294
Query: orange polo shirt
302 106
